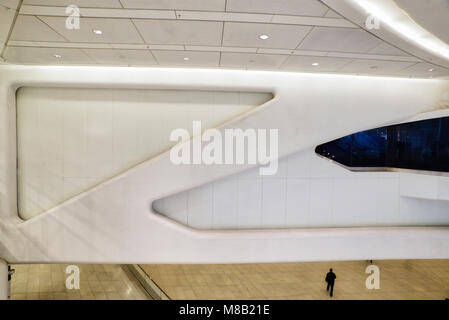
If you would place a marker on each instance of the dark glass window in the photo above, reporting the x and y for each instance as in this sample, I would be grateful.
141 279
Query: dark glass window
420 145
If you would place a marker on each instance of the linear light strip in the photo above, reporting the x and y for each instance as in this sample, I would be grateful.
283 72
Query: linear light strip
389 13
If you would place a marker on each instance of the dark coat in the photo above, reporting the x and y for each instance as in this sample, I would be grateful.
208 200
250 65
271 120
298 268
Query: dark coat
330 277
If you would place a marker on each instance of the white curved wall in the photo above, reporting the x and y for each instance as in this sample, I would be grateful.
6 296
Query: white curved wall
308 192
71 139
114 222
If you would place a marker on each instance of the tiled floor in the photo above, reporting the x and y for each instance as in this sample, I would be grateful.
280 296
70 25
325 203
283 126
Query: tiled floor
399 279
99 282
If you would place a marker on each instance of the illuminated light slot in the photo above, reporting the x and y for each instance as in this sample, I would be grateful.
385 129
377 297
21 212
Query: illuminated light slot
398 20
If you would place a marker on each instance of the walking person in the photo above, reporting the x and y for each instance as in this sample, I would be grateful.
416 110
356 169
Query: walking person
330 279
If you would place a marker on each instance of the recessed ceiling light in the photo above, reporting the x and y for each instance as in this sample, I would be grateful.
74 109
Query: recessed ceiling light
431 69
97 32
315 64
186 58
57 56
263 37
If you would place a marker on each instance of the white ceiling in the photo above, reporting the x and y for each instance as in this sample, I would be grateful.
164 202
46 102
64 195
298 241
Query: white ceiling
204 33
433 15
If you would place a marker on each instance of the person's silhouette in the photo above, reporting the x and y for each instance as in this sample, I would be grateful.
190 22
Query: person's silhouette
330 279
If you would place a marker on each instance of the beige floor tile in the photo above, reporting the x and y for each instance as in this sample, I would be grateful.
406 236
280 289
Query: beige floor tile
32 296
113 296
19 296
60 296
100 296
47 282
46 296
400 279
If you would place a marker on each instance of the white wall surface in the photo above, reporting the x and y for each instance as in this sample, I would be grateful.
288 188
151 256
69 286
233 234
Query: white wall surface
71 139
115 223
310 191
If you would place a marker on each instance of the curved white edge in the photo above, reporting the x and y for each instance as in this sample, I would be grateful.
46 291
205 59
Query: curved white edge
114 223
356 14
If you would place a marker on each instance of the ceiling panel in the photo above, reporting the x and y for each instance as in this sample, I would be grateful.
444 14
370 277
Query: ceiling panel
211 33
33 29
332 14
114 30
387 49
203 5
251 60
304 63
194 58
423 70
362 66
248 35
121 57
10 3
6 19
221 49
432 15
79 3
293 7
45 56
180 32
340 40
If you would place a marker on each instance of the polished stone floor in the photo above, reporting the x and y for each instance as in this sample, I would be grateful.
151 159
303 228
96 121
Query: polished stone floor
399 279
97 282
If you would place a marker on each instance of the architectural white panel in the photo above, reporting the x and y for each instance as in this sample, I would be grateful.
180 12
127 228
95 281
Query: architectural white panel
180 32
105 223
375 66
32 28
248 35
310 191
425 70
6 19
419 186
124 57
422 186
273 202
297 202
340 40
47 56
10 3
183 58
113 30
251 60
297 7
225 204
69 140
79 3
249 204
306 63
431 15
200 206
204 5
387 49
